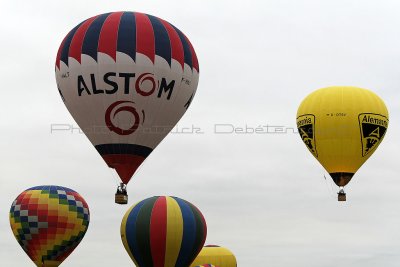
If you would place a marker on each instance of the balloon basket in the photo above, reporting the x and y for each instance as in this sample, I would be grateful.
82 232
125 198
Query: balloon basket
121 199
341 196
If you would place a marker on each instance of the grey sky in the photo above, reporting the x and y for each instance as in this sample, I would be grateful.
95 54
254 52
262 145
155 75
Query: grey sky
263 195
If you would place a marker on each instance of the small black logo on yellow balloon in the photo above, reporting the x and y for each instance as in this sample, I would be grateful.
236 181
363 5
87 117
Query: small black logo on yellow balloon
372 129
306 127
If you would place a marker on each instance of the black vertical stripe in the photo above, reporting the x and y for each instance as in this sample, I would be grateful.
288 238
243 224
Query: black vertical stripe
67 43
161 37
127 35
143 236
186 47
91 41
200 234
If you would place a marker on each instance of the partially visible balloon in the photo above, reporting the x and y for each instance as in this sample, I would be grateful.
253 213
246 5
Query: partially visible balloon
342 126
126 78
163 231
206 265
49 222
216 255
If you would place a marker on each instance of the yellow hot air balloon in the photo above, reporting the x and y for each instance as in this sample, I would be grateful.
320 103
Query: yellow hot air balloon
215 255
342 126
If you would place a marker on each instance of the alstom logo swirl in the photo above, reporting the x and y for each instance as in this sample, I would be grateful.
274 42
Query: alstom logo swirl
142 79
118 107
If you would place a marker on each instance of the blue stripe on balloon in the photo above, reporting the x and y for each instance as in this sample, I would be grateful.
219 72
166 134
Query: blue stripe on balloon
46 187
130 232
127 35
162 41
91 41
35 188
189 234
186 47
51 188
67 43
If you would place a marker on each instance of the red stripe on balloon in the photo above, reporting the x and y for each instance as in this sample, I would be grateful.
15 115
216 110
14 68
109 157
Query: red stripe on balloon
158 231
109 35
145 36
195 62
75 49
58 58
177 52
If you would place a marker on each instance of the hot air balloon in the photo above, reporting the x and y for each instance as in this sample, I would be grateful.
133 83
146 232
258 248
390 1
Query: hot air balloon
206 265
163 231
126 78
49 222
342 126
216 255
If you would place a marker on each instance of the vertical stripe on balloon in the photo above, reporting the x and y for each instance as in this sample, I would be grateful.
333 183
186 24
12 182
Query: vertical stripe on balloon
176 44
129 223
143 236
145 36
58 58
201 228
186 47
75 50
158 229
161 39
127 35
67 43
174 232
91 41
194 57
189 234
109 35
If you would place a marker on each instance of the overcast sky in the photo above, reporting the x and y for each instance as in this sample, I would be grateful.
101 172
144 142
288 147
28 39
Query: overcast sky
263 195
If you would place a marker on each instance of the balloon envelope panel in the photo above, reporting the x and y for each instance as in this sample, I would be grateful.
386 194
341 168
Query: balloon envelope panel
215 255
163 231
49 222
342 126
126 78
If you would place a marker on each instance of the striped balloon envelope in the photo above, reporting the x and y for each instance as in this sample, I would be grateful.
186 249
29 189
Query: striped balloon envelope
163 231
49 222
126 78
216 255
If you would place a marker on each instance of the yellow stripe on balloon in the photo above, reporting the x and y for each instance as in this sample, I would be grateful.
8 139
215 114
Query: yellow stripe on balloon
123 232
174 232
218 256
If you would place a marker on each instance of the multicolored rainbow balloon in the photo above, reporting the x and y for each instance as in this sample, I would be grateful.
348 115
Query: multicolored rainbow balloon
163 232
49 222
